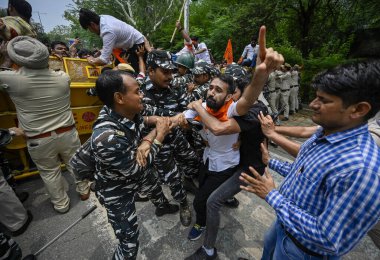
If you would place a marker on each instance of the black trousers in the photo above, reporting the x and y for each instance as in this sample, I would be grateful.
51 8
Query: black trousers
208 182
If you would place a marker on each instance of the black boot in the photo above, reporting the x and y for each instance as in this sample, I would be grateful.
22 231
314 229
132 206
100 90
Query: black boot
166 209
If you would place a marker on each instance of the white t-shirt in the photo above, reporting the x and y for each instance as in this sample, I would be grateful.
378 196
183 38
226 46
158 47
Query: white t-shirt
204 55
117 34
219 151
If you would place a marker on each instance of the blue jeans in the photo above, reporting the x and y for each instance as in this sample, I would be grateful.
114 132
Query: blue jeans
278 246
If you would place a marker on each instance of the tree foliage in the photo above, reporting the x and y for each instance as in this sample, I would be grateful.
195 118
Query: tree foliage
316 33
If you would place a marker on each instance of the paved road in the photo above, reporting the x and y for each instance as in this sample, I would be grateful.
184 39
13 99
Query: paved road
241 232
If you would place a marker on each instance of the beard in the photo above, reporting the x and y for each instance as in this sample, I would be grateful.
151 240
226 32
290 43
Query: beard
213 104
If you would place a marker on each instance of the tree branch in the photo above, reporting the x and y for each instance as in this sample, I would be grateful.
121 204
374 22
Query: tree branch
129 13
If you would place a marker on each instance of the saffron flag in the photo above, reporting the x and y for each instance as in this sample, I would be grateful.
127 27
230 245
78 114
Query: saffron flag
228 55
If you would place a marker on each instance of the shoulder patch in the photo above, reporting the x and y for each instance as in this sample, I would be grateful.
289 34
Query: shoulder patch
119 133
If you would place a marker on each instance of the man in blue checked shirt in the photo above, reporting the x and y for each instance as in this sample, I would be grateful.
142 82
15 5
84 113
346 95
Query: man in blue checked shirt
330 196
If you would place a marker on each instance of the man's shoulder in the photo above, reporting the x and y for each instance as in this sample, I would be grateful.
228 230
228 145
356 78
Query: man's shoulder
110 135
253 112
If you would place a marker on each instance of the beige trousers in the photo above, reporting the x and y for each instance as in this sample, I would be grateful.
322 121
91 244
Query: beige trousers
47 154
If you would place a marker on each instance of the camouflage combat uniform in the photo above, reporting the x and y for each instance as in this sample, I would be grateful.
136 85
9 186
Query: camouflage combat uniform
182 81
176 150
114 142
9 249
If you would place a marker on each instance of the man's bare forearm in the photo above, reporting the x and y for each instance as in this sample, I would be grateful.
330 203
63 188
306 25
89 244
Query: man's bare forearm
297 131
288 145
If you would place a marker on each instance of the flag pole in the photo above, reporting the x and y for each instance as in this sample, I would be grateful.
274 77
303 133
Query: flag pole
179 19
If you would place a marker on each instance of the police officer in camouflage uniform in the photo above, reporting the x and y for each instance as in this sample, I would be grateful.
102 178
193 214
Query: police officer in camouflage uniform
176 158
202 79
185 62
121 167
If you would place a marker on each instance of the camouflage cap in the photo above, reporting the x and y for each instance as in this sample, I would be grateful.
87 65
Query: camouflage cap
214 72
160 58
236 71
287 65
201 67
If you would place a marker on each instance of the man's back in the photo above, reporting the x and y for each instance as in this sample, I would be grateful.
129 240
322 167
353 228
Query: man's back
42 98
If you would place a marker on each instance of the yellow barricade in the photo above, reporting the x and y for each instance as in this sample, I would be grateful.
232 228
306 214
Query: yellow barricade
85 109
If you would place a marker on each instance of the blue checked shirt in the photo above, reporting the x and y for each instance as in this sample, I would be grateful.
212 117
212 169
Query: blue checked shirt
330 196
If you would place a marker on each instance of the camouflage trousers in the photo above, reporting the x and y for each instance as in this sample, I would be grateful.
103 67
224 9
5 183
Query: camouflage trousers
175 160
119 201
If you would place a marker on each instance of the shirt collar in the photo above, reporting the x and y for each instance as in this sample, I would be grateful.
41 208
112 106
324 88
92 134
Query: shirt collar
340 136
148 83
130 124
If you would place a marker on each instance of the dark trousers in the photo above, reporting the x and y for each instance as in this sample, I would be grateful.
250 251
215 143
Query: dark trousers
208 182
175 160
226 190
118 199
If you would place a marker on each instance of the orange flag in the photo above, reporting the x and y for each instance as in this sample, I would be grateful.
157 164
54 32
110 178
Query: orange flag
228 56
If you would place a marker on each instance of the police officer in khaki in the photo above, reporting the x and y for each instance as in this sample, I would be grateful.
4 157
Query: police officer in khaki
294 87
272 92
285 89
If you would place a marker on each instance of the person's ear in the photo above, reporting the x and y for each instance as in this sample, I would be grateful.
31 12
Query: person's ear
118 98
360 110
150 71
228 97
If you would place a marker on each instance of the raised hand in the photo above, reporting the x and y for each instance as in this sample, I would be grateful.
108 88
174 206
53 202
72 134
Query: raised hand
268 60
259 185
140 51
267 124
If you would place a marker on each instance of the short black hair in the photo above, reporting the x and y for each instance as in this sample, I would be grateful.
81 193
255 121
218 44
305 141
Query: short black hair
230 82
353 83
108 83
83 52
86 17
55 43
194 38
23 8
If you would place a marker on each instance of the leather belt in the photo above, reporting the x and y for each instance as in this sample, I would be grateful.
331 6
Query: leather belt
299 245
57 131
272 91
284 90
293 86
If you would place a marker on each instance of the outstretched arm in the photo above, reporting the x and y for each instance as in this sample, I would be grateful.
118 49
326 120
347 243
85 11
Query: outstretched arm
268 61
296 131
185 36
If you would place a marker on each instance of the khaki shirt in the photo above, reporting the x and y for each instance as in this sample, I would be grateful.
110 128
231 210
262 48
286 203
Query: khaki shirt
41 97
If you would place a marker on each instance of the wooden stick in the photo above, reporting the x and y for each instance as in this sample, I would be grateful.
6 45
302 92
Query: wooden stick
179 19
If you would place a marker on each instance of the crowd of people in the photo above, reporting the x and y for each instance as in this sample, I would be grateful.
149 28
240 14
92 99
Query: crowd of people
178 120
